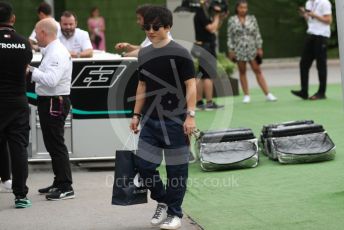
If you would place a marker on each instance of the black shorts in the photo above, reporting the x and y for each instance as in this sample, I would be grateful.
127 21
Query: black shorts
207 64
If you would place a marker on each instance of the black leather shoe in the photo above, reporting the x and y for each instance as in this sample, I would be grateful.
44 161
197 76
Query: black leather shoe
49 189
301 94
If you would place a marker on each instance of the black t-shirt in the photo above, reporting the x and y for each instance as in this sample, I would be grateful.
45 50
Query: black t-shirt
200 22
15 55
165 70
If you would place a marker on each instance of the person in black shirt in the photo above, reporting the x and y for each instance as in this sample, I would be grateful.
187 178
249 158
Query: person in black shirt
15 55
165 104
206 27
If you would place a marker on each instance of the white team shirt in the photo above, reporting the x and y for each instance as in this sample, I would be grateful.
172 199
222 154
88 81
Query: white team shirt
319 7
33 34
54 75
147 42
79 42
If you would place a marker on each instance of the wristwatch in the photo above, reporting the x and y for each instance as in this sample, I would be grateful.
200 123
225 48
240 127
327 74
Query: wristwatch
137 115
191 113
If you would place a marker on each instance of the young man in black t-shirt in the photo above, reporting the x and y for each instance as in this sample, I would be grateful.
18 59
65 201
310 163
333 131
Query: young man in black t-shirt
15 55
165 104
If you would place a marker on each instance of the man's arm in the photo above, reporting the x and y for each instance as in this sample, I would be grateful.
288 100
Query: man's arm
86 53
140 101
133 53
191 92
126 46
83 54
214 26
327 19
51 76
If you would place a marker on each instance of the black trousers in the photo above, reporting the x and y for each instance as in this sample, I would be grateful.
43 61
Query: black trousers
15 128
53 136
315 49
5 169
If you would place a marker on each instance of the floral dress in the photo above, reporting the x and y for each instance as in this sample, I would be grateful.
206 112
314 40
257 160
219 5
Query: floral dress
244 39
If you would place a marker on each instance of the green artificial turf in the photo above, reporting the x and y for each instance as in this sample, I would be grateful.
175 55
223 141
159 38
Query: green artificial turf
272 196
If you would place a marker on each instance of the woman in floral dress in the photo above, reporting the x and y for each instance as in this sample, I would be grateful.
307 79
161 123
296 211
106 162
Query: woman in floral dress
245 45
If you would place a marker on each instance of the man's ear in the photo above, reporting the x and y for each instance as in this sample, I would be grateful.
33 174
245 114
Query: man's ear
12 19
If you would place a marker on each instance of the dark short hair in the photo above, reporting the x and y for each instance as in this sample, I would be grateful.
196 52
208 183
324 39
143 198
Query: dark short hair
6 12
238 3
93 9
142 9
45 8
69 14
158 15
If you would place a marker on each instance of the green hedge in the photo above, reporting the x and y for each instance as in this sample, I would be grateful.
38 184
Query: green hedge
283 30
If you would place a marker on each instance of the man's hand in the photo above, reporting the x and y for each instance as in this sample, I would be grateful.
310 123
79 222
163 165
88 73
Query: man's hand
121 46
189 125
134 124
232 56
29 70
73 54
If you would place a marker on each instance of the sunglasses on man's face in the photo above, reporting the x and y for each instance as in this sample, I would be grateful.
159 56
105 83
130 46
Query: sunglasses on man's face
155 27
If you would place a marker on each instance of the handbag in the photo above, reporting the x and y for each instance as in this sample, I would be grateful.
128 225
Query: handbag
259 60
128 188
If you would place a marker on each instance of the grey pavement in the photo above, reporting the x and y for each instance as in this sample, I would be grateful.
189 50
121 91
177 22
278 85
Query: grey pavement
91 209
285 72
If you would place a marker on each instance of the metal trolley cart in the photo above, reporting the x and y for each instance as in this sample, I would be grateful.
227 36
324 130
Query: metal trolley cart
102 95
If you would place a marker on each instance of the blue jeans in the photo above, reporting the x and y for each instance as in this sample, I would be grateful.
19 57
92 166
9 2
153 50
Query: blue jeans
173 141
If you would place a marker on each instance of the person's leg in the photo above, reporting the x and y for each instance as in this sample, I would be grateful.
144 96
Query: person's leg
306 63
177 159
243 78
259 75
177 176
53 136
17 134
5 169
149 158
321 58
200 103
208 89
199 90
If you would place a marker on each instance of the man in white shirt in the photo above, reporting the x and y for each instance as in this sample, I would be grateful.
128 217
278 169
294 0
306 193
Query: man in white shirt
53 83
77 41
43 11
318 14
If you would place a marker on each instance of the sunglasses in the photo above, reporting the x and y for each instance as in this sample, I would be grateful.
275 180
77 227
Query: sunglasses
155 27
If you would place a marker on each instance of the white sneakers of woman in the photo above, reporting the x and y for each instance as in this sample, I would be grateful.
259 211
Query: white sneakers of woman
6 186
246 99
271 97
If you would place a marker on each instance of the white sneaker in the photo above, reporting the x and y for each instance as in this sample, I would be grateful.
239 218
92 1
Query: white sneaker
171 222
160 214
271 97
6 186
246 99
